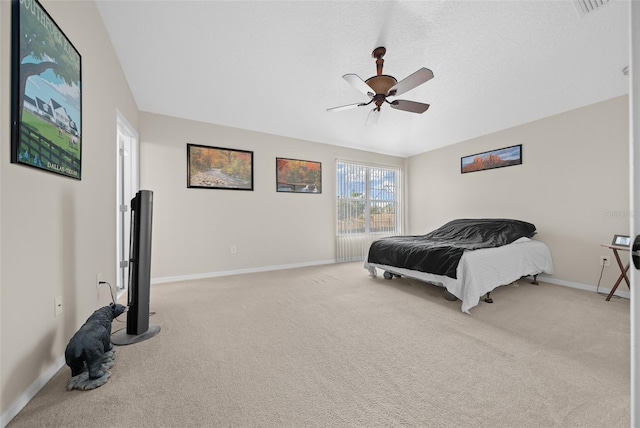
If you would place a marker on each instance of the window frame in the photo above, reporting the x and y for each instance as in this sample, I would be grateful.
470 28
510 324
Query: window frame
367 197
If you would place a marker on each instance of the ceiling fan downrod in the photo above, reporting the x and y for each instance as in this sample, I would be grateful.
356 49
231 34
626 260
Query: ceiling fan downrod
380 83
378 53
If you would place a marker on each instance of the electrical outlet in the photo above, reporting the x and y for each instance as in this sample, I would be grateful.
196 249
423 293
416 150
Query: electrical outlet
98 280
234 249
58 305
605 261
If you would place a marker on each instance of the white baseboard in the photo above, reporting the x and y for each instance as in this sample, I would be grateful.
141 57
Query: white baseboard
593 288
238 271
31 392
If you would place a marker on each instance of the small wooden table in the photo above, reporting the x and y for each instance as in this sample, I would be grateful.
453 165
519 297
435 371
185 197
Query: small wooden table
623 269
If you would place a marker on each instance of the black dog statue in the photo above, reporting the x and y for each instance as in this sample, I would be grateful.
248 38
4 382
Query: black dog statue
89 352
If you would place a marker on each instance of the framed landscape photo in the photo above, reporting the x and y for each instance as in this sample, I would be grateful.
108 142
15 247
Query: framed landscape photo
46 93
298 176
507 156
219 168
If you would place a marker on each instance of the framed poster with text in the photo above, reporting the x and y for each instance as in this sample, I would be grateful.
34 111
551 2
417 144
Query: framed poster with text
46 96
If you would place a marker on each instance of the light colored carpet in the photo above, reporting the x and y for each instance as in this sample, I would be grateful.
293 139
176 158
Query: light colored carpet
329 346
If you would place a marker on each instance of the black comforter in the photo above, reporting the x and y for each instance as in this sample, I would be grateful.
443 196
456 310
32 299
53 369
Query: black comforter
439 252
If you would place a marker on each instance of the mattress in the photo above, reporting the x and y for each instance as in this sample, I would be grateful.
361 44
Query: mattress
439 251
481 271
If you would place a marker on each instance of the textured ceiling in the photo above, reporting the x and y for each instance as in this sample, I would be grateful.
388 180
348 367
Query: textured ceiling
276 66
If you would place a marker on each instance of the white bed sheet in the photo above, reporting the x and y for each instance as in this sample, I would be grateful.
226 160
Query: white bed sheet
481 271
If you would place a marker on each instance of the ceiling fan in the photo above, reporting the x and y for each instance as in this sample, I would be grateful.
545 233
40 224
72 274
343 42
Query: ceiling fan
381 86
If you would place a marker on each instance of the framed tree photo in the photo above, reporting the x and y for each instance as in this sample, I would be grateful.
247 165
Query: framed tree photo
219 168
46 96
298 176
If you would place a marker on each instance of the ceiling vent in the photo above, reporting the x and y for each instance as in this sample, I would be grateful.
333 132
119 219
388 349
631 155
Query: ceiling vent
586 6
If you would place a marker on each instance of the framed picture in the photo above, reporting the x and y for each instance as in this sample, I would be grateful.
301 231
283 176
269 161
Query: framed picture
298 176
507 156
219 168
621 240
46 93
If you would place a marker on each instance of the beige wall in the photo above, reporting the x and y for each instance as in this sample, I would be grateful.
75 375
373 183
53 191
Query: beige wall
573 185
194 229
57 233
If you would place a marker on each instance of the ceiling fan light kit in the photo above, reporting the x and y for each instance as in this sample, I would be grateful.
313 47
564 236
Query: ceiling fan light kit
381 84
384 86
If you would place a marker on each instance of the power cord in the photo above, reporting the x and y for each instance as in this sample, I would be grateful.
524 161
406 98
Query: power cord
113 299
114 332
598 286
600 279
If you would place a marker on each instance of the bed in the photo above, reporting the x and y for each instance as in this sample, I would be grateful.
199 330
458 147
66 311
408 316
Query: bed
468 257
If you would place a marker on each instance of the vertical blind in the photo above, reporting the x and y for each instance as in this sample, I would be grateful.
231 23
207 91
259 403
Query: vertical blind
368 207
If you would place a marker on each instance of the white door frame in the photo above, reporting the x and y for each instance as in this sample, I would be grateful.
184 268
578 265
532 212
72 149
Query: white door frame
634 174
127 184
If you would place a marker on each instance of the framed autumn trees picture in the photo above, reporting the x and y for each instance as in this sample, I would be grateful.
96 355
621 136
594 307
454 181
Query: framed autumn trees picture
46 98
219 168
298 176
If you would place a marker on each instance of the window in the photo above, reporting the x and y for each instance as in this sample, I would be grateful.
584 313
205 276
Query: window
368 199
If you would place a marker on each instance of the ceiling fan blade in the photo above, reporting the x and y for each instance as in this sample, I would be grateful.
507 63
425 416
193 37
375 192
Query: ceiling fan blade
373 116
408 83
410 106
347 107
359 84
